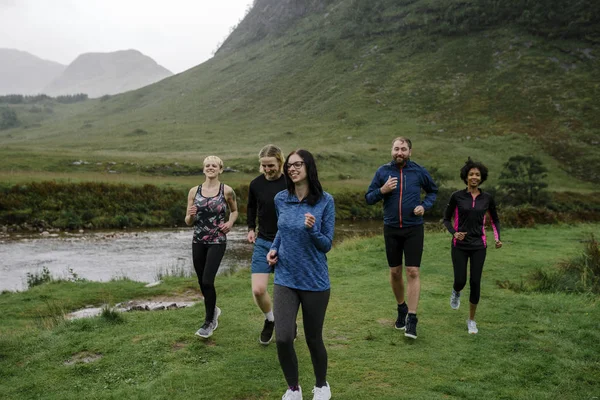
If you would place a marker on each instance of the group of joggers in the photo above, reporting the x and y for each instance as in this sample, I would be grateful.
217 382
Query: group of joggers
296 220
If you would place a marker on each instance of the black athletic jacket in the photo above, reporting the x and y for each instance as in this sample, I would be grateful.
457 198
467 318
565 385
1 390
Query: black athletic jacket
469 216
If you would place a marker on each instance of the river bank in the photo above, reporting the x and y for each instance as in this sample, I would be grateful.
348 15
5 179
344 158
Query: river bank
139 254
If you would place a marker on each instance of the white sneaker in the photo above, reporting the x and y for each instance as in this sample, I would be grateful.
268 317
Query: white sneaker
322 393
292 395
472 326
455 300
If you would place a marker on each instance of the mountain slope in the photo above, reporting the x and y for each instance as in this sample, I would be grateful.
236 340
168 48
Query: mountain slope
24 73
97 74
482 78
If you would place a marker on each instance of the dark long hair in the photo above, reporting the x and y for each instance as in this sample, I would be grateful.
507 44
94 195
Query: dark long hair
470 164
315 190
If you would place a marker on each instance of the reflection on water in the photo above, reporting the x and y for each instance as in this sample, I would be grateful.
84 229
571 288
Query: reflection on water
138 255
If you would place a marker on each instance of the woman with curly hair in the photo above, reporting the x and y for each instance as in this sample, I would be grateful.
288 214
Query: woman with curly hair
469 208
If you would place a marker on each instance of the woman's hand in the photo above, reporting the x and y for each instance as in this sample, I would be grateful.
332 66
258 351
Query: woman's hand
225 227
459 235
272 257
192 210
309 220
498 244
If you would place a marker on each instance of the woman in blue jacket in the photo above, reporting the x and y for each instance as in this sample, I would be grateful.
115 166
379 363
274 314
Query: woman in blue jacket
468 208
306 219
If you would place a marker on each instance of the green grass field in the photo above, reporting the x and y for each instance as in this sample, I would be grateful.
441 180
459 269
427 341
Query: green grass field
529 346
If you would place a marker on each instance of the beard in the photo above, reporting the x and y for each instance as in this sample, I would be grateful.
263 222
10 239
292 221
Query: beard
400 161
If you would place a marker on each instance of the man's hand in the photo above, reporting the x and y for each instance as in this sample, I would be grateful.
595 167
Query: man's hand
419 210
389 185
251 237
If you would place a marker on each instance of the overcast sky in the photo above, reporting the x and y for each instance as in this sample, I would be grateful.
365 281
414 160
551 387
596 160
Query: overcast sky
177 34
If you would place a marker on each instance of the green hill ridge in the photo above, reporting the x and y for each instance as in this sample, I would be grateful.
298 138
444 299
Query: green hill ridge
484 78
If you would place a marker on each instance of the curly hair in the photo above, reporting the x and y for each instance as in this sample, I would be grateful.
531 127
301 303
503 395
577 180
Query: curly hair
469 165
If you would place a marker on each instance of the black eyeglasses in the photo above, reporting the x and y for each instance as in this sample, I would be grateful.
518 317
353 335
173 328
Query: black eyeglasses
297 165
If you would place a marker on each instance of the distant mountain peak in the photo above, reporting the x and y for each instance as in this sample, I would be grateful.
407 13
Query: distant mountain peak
23 73
97 74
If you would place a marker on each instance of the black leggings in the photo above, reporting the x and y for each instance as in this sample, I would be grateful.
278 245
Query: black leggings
286 303
459 260
207 259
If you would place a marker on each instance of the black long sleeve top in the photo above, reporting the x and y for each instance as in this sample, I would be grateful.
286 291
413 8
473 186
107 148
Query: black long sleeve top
469 214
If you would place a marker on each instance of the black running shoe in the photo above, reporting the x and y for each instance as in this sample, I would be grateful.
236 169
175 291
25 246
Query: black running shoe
401 321
411 326
267 333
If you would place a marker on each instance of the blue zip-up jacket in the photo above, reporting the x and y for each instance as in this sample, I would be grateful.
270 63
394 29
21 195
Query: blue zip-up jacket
302 263
399 204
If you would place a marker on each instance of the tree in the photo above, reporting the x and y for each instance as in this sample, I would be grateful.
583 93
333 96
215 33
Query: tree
8 118
522 179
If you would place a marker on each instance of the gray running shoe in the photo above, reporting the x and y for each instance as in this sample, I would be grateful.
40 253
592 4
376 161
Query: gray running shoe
455 300
206 330
216 317
267 333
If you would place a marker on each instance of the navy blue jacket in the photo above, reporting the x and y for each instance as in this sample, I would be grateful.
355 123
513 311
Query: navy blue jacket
399 204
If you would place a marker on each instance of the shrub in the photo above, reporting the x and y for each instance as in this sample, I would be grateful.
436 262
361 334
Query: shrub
578 275
523 180
8 118
38 278
111 316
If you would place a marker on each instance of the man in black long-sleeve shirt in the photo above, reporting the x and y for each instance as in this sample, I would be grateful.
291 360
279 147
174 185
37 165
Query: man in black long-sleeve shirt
260 204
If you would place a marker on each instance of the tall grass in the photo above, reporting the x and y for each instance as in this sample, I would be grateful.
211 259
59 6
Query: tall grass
580 274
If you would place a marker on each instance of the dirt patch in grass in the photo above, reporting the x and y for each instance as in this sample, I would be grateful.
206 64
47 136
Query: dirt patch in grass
178 346
83 357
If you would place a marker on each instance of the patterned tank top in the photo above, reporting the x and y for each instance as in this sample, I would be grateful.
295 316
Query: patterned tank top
210 213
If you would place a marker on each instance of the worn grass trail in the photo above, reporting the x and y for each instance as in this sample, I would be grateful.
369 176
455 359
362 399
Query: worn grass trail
529 346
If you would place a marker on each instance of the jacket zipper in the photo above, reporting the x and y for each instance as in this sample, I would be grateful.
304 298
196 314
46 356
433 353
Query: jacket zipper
400 200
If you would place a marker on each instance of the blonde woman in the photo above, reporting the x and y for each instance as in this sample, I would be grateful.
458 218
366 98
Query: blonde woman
261 205
207 212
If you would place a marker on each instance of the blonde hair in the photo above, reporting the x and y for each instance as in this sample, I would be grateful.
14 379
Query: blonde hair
271 150
214 159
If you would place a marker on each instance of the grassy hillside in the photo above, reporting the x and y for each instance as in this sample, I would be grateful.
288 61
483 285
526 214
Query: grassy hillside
342 78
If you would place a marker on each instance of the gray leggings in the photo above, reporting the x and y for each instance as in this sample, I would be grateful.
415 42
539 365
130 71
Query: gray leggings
286 303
